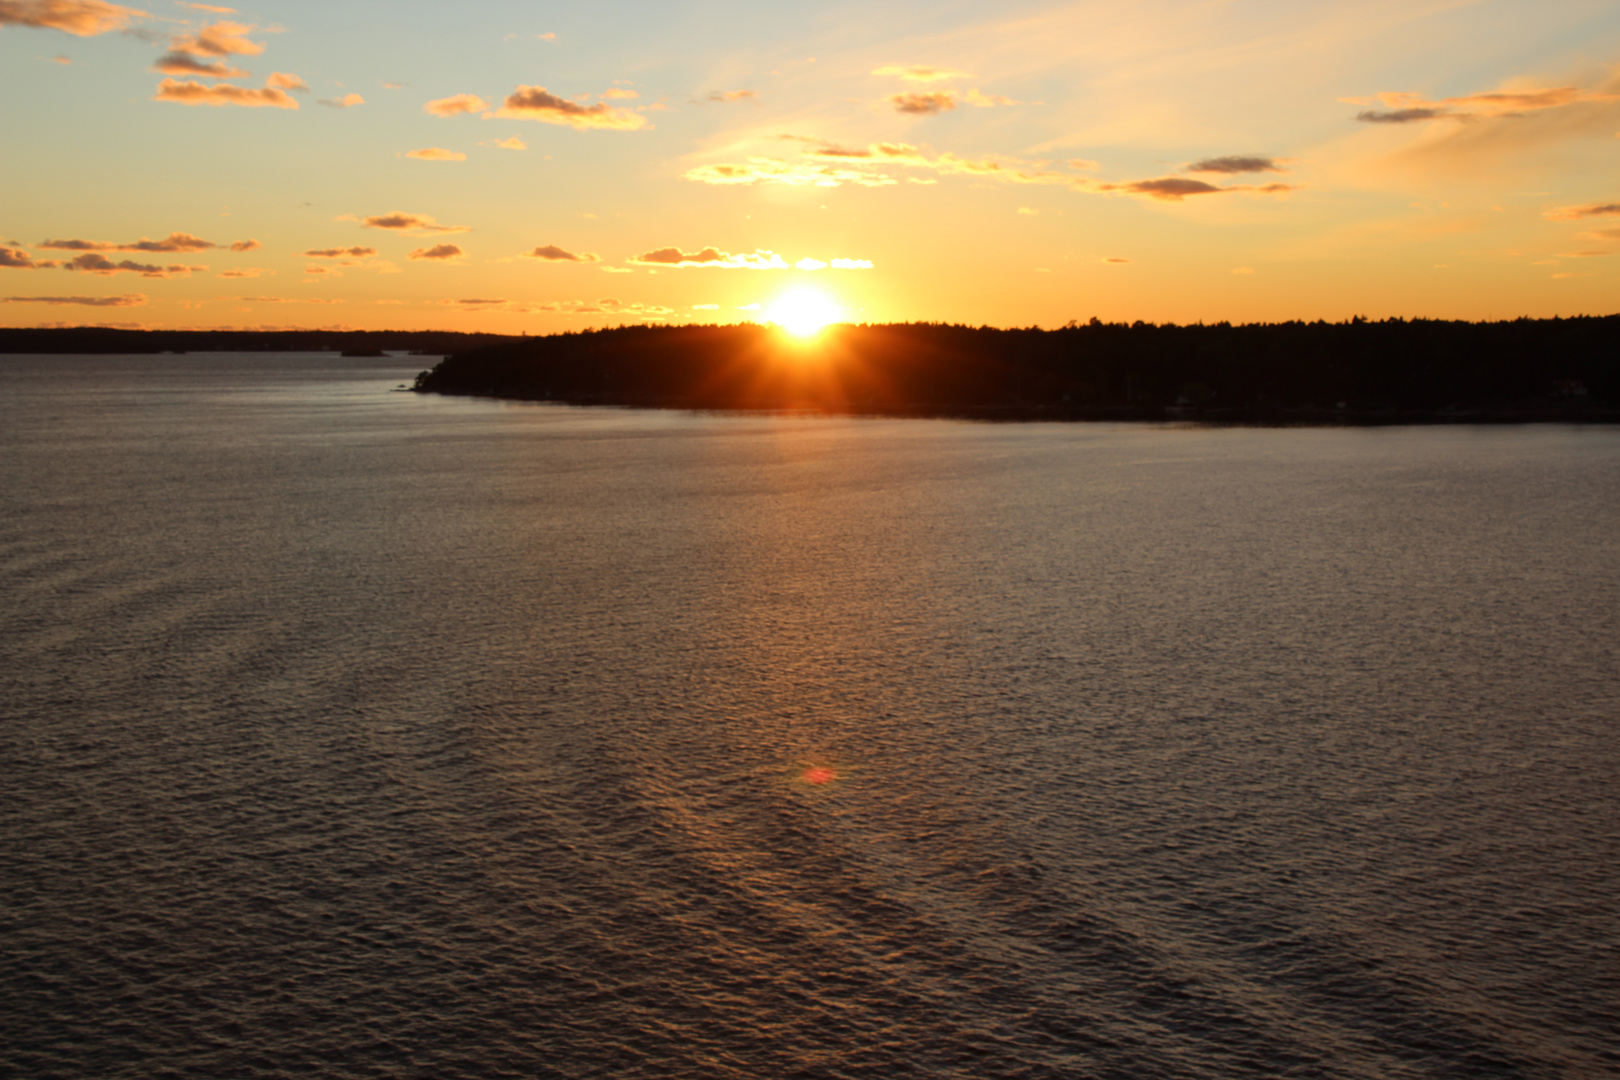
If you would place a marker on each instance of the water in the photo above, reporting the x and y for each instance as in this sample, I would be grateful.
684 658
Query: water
358 734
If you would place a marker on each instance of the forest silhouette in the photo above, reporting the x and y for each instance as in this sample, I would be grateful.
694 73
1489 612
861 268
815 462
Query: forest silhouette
1393 369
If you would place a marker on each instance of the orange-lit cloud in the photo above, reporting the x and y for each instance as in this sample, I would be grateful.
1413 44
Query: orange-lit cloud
221 39
553 253
762 170
126 300
92 262
436 153
344 102
18 259
246 245
83 18
918 103
245 272
726 96
514 143
341 253
538 103
193 93
1406 108
409 224
437 253
1578 213
607 306
712 257
179 63
920 72
207 7
283 81
619 93
175 242
456 105
1236 163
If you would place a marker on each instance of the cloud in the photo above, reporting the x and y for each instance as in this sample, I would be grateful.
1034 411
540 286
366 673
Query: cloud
207 7
537 103
245 272
705 307
18 259
473 303
1027 211
344 102
921 104
246 245
1406 108
920 72
436 153
725 96
553 253
1577 213
409 224
608 306
514 143
341 253
282 81
456 105
437 253
1117 262
92 262
761 170
1236 163
179 63
1177 188
548 36
852 264
221 39
619 93
810 264
126 300
174 242
82 18
193 93
761 259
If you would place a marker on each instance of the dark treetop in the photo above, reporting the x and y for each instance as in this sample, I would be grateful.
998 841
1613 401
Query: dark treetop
1390 371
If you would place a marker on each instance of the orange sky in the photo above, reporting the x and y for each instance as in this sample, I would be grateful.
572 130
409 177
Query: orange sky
519 167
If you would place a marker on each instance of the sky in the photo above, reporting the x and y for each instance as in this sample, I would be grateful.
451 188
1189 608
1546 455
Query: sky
515 166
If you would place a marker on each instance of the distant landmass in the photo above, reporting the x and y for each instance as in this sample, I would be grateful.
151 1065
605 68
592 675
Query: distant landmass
1394 371
104 340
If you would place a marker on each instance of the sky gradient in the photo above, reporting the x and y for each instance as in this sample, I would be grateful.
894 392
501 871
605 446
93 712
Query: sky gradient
535 167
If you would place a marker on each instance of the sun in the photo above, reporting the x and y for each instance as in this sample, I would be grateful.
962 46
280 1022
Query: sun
803 311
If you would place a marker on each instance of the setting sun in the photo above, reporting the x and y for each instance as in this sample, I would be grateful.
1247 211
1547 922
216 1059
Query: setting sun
803 311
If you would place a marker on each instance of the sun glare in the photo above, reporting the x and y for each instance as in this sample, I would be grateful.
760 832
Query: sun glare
803 311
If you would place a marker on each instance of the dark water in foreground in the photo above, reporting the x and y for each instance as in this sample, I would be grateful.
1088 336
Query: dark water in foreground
356 734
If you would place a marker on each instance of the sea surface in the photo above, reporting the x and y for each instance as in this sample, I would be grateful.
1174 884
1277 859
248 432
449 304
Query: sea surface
351 733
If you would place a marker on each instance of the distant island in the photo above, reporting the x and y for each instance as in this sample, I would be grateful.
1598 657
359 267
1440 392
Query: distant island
1393 371
1360 371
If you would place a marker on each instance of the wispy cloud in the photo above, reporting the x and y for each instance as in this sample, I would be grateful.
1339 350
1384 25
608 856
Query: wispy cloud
918 103
723 97
456 105
760 259
1404 108
82 18
126 300
436 153
341 253
1579 213
179 63
194 93
920 72
553 253
174 242
538 103
1236 163
437 253
92 262
220 39
409 224
345 102
514 143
